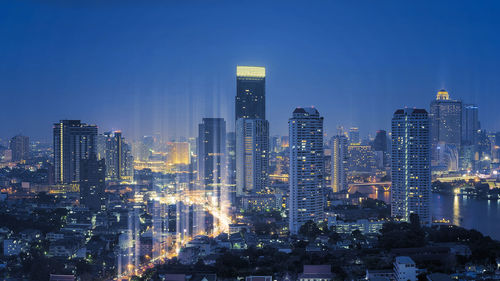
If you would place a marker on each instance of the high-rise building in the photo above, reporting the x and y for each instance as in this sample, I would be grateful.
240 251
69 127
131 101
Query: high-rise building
470 124
360 158
381 148
354 135
231 166
178 153
252 155
92 182
380 141
446 124
250 92
20 147
252 130
212 157
73 142
118 157
306 201
339 163
411 171
231 157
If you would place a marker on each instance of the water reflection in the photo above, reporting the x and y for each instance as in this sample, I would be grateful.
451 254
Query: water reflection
456 211
471 213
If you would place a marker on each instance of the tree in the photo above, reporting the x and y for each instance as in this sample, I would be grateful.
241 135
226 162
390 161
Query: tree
309 230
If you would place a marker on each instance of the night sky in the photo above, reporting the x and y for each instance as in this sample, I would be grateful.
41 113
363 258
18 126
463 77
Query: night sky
160 67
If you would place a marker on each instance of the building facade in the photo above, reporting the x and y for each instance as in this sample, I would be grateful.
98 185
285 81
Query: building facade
339 163
212 157
252 131
306 201
117 155
411 171
446 125
20 147
73 142
470 124
252 155
250 101
92 183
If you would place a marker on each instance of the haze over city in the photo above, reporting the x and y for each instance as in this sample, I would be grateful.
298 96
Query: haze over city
249 140
159 67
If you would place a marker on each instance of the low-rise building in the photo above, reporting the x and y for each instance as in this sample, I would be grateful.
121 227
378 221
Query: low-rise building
316 273
405 269
364 226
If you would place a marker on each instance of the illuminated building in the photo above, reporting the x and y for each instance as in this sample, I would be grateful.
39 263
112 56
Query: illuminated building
285 142
306 181
252 155
73 142
354 135
360 158
411 172
250 92
117 155
339 163
446 124
92 183
470 124
252 130
212 160
178 153
20 147
231 166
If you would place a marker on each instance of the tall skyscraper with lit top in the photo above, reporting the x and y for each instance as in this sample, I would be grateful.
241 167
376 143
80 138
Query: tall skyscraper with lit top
252 130
306 201
250 99
411 170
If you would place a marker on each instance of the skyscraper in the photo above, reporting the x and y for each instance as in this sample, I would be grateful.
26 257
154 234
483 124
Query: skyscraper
231 157
380 141
20 147
306 181
339 163
354 135
252 130
411 172
118 157
252 151
178 153
470 124
73 142
231 166
250 92
212 156
380 147
446 123
92 182
360 158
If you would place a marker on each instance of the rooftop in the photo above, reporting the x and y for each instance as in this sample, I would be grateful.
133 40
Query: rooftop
251 71
404 260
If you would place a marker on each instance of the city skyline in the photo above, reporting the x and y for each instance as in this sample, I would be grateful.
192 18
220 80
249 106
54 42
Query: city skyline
218 141
157 91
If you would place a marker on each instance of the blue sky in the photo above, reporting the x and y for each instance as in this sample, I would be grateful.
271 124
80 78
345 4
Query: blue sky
160 66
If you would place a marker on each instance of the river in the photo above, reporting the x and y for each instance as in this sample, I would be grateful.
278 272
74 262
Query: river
471 213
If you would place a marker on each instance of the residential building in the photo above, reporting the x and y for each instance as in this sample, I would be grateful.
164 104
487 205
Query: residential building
306 201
